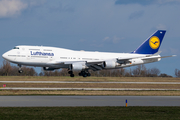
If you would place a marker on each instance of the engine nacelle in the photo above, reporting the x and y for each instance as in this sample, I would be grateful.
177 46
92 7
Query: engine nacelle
78 66
48 69
109 64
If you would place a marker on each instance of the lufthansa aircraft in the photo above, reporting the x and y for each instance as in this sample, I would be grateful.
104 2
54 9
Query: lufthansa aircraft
51 58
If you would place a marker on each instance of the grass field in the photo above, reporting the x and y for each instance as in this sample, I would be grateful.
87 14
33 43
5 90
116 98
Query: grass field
90 113
91 85
105 79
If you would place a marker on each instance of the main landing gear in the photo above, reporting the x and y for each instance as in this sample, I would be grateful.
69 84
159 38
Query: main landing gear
84 74
71 73
20 69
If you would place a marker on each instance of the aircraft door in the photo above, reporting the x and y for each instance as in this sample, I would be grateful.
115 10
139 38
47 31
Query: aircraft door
28 57
50 58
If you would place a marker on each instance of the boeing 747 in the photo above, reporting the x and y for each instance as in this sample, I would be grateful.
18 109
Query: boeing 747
51 58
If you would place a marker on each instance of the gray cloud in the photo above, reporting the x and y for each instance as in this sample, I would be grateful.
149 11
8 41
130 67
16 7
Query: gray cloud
10 8
145 2
13 8
136 15
142 2
114 39
61 7
161 27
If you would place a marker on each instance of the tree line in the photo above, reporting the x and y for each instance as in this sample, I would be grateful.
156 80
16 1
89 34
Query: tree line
7 69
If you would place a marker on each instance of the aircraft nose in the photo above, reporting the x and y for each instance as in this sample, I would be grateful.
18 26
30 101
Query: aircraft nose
4 55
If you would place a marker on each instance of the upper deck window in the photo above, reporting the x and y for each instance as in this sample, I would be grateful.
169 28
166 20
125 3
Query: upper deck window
16 48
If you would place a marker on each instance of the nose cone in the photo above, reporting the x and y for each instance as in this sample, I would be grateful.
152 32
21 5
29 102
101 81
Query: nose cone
5 55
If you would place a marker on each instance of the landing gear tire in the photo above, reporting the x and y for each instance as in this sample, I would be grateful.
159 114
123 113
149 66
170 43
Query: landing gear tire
88 74
70 72
20 71
84 73
80 74
71 75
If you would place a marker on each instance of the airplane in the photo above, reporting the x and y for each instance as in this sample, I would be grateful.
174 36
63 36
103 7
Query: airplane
52 58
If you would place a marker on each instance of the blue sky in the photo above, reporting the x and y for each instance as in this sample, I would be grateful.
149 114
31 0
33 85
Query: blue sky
92 25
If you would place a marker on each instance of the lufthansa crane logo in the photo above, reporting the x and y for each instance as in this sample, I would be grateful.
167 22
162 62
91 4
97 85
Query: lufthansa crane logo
154 42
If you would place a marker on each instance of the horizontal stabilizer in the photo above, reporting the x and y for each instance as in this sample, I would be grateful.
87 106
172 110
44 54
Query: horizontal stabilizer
156 57
159 52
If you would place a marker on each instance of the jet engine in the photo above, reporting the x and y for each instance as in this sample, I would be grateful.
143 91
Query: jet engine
110 64
78 66
48 68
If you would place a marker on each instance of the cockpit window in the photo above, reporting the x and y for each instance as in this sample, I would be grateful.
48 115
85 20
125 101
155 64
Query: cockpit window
16 48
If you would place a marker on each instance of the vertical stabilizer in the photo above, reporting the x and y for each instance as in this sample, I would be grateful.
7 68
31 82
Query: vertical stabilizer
152 44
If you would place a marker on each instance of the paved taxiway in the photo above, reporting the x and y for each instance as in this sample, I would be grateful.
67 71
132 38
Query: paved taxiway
52 101
90 89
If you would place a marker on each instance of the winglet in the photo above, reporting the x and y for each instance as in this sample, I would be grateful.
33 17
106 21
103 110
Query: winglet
152 44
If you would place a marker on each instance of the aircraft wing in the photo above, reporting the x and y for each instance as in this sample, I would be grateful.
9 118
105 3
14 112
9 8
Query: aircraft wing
96 65
100 65
71 62
62 62
127 59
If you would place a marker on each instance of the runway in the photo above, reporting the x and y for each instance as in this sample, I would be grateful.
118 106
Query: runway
58 101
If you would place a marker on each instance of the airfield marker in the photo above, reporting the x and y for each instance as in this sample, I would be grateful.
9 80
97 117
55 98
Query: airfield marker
126 102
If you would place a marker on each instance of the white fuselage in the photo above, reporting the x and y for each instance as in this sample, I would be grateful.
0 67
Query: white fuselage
41 56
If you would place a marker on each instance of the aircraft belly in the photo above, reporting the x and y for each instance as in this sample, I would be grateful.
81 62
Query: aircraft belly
40 64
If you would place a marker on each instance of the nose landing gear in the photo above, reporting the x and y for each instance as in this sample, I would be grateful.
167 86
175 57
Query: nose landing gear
20 69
